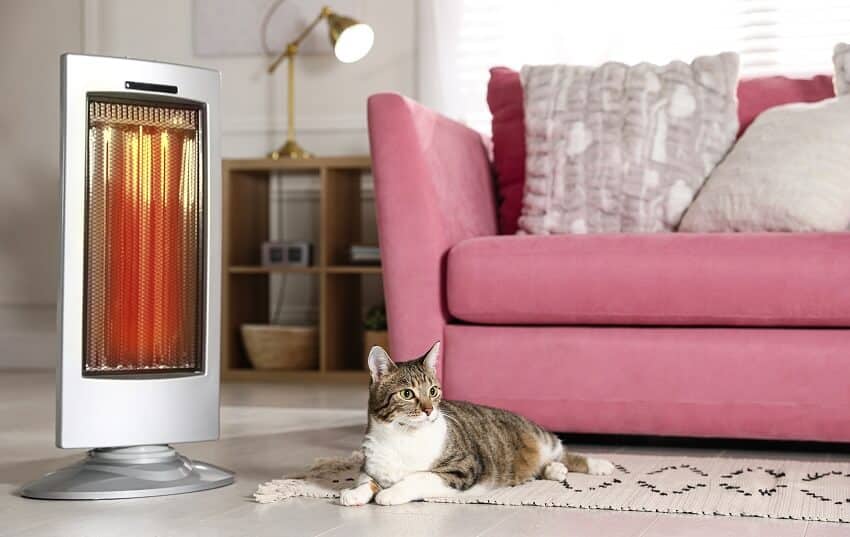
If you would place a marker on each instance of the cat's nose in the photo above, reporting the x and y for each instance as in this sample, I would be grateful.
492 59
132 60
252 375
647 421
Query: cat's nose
427 410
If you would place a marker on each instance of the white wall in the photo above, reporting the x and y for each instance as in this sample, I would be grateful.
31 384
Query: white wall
330 111
31 39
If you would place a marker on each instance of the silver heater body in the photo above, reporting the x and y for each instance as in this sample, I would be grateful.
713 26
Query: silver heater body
141 268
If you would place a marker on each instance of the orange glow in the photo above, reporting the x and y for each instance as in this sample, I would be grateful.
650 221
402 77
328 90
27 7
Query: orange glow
143 274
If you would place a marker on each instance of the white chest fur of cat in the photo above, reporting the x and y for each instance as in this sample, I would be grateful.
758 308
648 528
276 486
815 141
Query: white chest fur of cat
394 451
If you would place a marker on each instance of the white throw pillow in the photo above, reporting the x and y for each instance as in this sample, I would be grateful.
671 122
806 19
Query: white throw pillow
623 148
790 171
841 62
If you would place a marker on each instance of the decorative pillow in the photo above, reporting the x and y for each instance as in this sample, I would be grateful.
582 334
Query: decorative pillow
789 172
756 95
623 148
504 96
841 61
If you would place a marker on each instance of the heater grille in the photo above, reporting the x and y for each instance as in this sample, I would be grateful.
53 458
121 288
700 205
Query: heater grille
144 238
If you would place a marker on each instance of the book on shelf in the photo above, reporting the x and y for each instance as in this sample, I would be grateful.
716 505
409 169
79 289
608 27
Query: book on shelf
364 254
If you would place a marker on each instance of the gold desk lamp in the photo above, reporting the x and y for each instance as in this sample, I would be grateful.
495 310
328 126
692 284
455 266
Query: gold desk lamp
351 41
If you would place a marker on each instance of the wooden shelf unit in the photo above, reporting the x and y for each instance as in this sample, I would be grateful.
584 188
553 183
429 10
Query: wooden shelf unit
245 286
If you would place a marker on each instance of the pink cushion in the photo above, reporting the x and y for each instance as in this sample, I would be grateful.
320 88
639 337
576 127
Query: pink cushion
504 95
759 279
756 95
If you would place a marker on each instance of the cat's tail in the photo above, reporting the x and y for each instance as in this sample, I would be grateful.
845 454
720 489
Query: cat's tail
586 465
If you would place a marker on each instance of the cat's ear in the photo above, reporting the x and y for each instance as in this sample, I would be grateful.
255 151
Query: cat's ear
430 359
379 363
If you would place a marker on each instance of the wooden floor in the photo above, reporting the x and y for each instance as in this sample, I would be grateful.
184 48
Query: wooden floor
269 430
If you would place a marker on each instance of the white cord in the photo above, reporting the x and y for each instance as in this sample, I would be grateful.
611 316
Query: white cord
281 226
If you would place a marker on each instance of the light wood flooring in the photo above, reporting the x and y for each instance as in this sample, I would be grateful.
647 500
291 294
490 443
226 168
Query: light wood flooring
271 429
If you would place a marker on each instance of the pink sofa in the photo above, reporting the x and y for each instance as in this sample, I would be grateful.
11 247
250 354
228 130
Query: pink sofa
721 335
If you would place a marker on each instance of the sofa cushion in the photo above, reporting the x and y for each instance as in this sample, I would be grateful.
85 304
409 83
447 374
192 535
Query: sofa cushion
504 96
841 63
623 147
755 95
787 173
759 279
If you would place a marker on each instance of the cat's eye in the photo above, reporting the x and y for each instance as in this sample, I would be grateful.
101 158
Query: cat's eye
406 393
433 391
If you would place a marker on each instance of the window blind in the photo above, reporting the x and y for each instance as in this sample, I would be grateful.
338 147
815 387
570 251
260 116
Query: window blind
773 37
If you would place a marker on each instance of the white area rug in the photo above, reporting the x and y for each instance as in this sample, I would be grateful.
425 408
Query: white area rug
800 490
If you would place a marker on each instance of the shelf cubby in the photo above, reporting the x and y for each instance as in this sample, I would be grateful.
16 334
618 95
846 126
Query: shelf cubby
246 282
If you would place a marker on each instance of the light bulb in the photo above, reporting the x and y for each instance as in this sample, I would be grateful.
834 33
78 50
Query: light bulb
354 43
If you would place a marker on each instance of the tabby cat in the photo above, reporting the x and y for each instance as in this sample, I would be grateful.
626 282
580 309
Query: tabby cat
419 446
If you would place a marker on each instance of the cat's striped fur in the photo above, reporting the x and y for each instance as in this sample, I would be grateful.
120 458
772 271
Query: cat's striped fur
419 446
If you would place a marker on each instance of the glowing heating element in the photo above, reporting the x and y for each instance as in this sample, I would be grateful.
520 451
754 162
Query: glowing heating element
144 238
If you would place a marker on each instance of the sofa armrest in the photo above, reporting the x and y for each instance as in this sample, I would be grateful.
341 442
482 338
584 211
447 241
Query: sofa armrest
433 189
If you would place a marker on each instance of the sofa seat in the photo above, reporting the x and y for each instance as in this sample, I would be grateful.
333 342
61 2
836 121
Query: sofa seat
669 279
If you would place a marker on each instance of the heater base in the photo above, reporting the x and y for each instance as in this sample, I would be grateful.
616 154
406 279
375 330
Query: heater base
130 472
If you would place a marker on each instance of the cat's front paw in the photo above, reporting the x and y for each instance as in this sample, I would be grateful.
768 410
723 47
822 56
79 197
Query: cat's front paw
392 496
599 467
555 471
356 496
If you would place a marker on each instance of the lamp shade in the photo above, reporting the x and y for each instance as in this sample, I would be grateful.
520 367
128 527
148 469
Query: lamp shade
350 39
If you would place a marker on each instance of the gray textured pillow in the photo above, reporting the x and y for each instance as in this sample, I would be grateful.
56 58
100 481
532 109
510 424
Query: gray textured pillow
623 148
790 171
841 61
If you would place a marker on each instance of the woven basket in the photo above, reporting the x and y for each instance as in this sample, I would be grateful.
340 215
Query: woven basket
271 346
